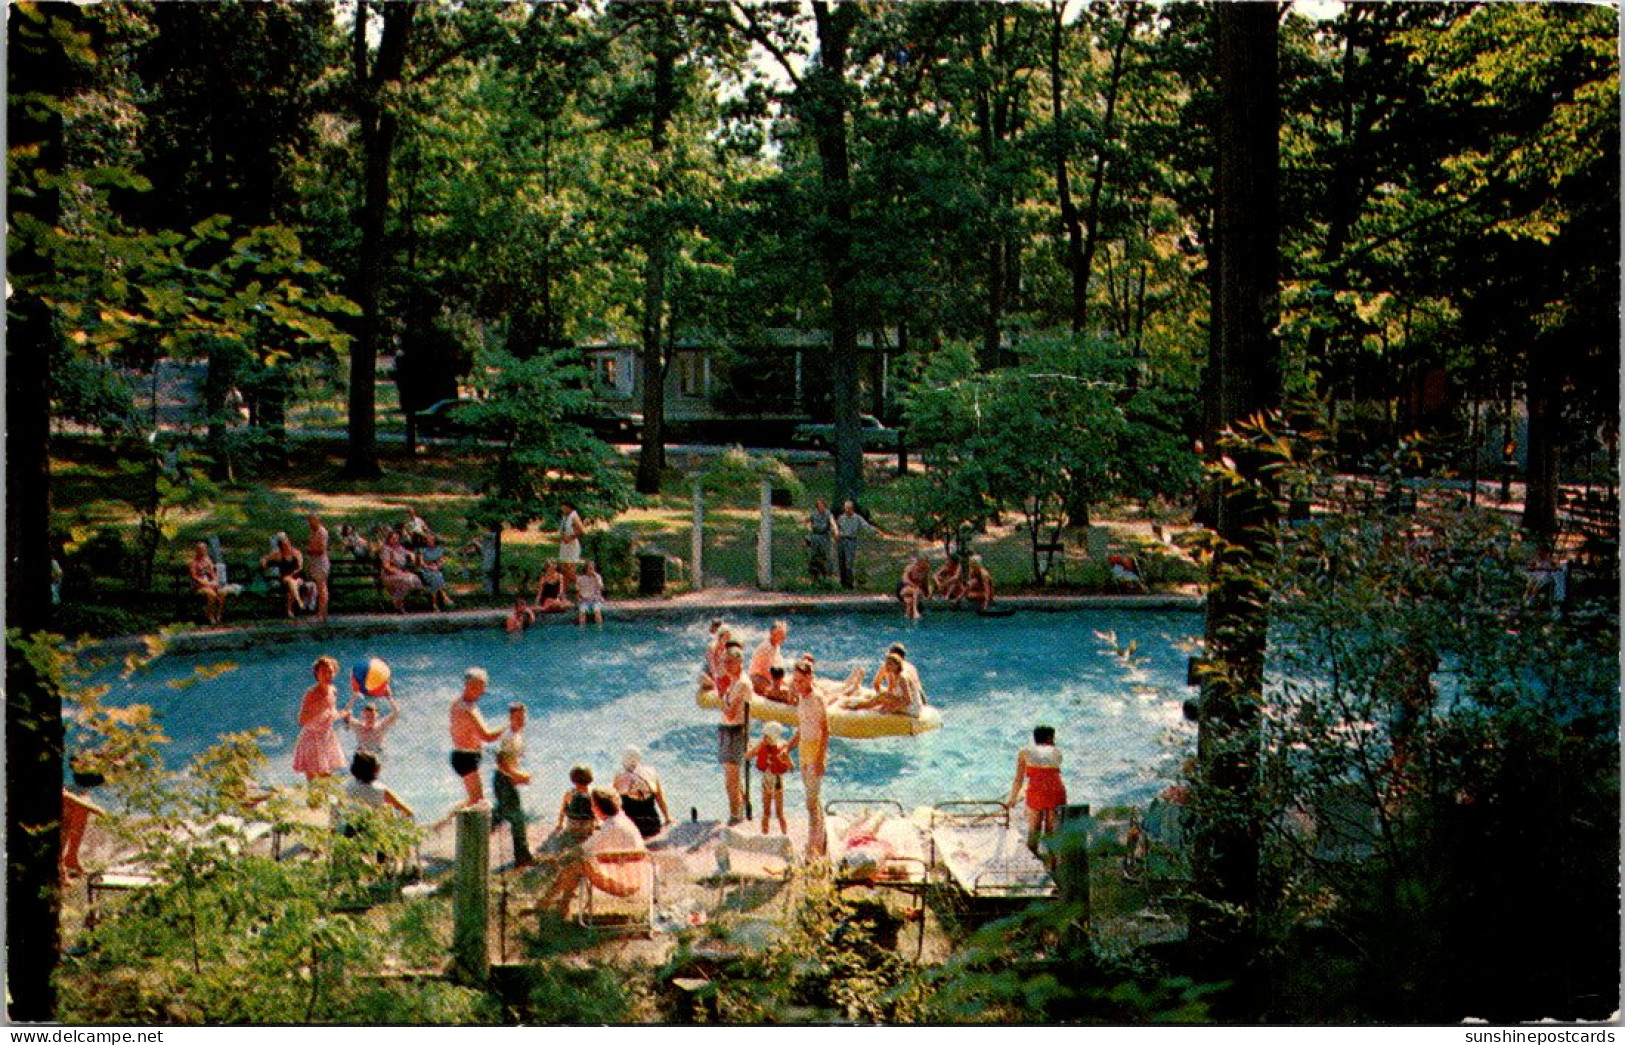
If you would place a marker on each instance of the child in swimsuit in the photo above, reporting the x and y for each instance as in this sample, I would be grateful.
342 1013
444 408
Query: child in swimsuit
522 617
772 755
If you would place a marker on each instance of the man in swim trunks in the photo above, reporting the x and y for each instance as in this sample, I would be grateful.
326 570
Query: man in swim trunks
733 733
317 563
770 655
812 724
469 735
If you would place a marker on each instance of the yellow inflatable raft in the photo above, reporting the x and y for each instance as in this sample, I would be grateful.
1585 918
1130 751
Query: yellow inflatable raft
851 725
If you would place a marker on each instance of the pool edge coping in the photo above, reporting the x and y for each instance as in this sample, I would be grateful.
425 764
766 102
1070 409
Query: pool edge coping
207 640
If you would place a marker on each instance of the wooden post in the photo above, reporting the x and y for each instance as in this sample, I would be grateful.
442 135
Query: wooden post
470 896
764 538
697 540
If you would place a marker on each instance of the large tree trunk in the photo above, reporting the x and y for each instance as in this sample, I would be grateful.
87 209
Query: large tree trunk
1083 231
38 65
1243 378
993 122
34 752
652 455
826 108
1541 386
379 128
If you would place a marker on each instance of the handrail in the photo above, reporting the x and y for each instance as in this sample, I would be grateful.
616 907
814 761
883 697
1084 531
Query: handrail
829 807
975 809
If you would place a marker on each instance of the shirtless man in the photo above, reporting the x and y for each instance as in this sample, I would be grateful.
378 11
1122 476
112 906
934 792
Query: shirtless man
317 563
915 586
812 725
770 655
469 734
733 733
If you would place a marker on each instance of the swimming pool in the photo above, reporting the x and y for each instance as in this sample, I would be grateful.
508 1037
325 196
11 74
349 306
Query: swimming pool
591 691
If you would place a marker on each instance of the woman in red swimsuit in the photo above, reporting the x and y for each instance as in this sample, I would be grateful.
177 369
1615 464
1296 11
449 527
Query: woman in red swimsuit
1038 767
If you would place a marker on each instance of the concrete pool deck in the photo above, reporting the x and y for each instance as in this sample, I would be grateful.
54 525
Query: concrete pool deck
715 601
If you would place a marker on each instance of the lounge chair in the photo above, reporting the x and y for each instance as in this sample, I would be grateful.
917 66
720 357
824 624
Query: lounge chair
619 891
984 857
744 854
891 853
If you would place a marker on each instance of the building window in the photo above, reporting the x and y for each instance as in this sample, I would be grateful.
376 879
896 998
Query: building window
609 372
690 374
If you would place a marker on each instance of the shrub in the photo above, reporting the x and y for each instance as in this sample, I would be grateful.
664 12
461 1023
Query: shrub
104 554
98 621
611 548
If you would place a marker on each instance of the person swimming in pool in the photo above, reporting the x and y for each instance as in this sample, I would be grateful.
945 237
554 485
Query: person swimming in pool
768 656
895 692
469 735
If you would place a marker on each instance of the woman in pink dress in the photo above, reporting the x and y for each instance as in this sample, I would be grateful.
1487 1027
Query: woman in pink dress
318 753
396 573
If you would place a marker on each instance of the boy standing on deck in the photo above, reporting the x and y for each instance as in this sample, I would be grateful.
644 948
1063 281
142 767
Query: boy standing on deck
506 780
469 735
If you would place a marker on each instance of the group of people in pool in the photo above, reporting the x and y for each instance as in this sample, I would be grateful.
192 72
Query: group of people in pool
591 820
638 798
896 689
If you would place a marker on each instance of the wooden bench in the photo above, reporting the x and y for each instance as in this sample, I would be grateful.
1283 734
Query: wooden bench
345 575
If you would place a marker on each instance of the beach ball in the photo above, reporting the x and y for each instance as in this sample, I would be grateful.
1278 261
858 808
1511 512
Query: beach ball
370 678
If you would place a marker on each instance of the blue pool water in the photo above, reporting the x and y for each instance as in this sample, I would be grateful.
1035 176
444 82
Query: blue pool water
592 691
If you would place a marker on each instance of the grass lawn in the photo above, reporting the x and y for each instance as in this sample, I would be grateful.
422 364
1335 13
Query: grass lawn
92 493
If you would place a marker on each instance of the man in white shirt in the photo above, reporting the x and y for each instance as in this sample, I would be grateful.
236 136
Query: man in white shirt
506 780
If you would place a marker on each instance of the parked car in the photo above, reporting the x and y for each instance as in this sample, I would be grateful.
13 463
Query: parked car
876 436
448 418
451 418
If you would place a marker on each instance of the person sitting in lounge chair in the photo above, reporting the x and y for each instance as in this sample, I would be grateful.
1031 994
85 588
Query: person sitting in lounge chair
614 859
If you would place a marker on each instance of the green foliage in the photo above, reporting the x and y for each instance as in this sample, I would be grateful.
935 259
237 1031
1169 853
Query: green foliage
558 992
824 962
1429 736
542 460
226 934
613 548
1045 437
738 472
90 392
